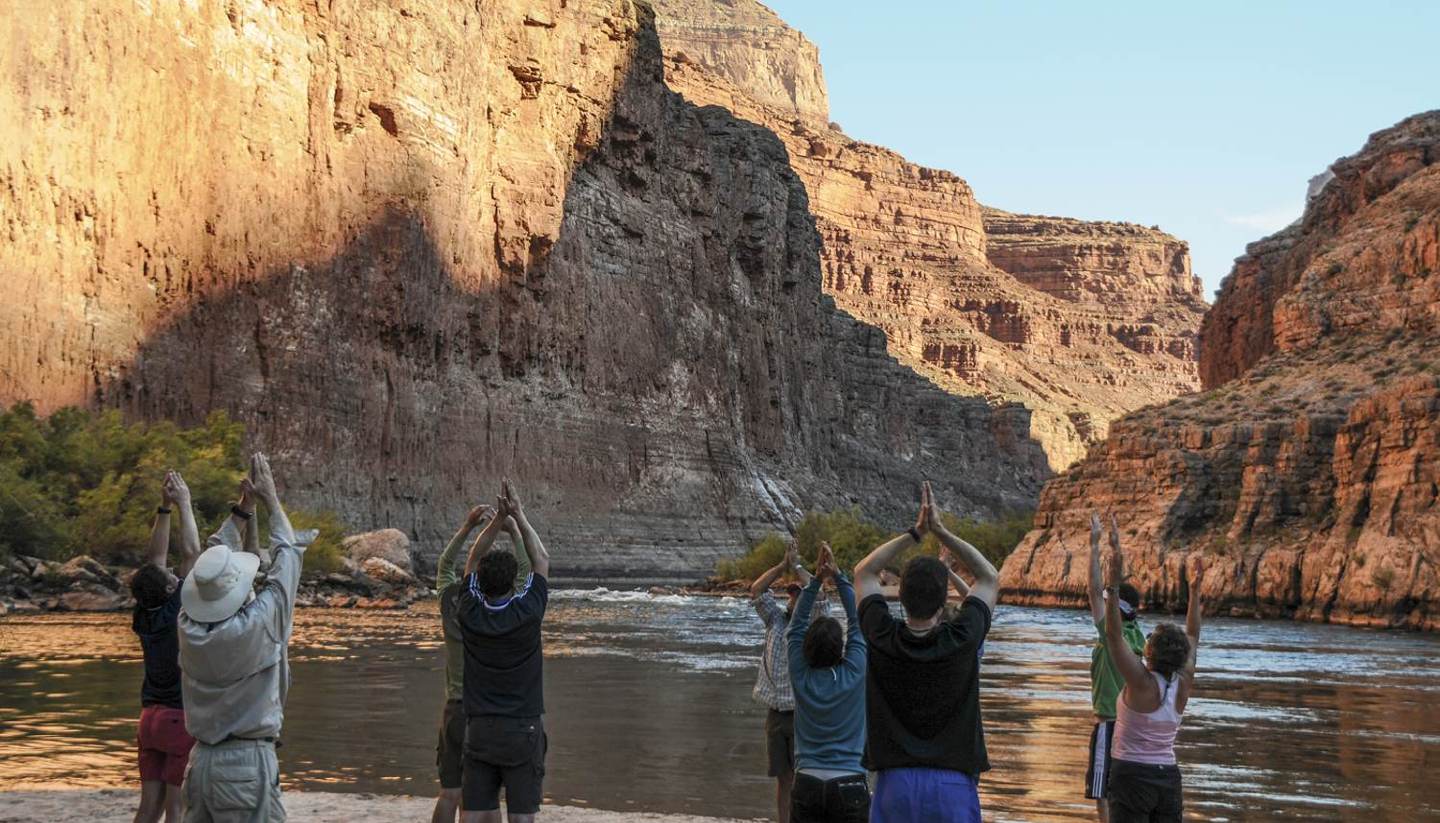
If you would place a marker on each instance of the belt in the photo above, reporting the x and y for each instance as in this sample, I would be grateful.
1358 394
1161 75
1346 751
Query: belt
233 738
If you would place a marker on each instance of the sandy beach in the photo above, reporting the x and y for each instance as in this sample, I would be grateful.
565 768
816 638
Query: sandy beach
311 807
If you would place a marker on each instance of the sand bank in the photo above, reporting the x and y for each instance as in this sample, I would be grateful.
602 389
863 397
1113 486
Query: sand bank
309 807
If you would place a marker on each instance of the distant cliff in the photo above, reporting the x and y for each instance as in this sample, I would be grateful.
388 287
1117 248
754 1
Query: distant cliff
1078 322
417 248
1309 471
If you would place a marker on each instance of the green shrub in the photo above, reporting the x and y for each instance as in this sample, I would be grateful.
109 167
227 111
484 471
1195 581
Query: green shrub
852 536
325 555
82 482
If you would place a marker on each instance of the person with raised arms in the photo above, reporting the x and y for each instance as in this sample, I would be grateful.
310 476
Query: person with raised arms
1105 679
827 676
1144 782
162 742
772 684
504 698
924 735
235 664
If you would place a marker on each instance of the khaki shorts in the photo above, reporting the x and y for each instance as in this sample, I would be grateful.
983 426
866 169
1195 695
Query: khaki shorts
237 781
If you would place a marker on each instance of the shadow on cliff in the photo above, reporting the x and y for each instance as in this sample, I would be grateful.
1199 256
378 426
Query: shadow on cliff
669 351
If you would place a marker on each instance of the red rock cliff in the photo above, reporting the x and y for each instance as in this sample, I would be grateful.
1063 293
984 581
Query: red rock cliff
1310 470
417 247
1076 322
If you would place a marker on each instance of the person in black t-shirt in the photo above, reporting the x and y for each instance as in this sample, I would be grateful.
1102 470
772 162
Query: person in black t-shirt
504 702
163 743
924 734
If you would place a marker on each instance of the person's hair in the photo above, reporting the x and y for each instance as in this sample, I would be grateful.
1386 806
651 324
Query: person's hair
922 587
150 585
793 590
496 573
1167 650
1130 595
824 643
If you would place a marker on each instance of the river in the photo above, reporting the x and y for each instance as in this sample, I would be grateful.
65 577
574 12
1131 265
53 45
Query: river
649 708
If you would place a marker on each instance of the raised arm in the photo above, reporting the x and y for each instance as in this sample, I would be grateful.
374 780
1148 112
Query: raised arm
159 549
961 587
987 579
179 494
484 542
534 547
288 557
1129 664
445 570
1097 581
1193 614
867 571
763 583
522 554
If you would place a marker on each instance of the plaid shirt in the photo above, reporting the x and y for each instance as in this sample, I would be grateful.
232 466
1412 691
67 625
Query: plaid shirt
772 686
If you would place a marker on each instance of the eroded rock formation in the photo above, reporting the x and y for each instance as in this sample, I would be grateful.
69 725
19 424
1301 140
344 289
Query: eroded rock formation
1309 472
1078 322
419 247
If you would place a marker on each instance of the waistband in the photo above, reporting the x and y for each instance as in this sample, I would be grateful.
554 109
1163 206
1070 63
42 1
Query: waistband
233 742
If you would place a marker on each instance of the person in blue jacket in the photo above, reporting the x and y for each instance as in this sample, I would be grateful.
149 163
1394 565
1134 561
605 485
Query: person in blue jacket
827 675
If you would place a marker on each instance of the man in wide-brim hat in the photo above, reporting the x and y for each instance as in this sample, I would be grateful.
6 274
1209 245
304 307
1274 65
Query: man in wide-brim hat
235 669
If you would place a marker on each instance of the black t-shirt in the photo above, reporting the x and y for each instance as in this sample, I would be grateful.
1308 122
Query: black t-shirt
503 660
923 691
161 645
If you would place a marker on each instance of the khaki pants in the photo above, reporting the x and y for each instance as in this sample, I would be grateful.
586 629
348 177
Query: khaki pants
237 781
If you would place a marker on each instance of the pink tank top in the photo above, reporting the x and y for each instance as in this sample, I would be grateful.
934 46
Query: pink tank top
1142 737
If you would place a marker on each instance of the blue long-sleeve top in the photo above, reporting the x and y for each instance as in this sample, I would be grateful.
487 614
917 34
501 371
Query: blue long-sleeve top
829 703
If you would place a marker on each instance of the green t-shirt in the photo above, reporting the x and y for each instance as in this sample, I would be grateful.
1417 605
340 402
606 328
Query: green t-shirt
1105 680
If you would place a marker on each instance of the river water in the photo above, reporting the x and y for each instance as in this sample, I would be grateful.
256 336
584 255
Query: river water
649 709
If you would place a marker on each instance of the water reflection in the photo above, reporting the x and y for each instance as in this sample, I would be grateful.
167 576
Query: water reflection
649 708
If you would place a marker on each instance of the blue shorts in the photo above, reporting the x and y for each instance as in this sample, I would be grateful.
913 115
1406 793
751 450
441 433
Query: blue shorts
925 796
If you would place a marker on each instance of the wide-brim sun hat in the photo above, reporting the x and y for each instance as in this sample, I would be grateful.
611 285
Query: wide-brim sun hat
218 584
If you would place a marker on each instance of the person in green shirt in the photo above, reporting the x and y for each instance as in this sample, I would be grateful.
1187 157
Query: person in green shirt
1105 679
449 752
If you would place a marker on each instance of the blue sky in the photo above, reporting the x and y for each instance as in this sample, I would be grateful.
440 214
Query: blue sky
1204 118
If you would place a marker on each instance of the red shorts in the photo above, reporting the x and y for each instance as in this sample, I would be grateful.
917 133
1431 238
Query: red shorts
164 744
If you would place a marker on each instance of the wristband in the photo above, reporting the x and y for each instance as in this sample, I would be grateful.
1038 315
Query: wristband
161 510
241 513
914 535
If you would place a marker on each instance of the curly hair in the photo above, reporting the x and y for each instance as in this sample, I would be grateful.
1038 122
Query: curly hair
496 573
150 585
1167 650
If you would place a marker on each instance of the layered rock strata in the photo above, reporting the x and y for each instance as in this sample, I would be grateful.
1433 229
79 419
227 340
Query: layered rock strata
1309 472
1078 322
420 247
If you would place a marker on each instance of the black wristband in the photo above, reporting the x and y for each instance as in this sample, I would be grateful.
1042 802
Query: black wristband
241 513
914 535
161 510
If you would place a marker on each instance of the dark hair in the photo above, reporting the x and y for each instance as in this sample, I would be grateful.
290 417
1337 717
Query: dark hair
922 587
496 573
793 590
824 643
150 585
1167 650
1130 595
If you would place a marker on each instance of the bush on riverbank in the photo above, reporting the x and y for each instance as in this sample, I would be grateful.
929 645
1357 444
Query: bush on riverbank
852 536
83 482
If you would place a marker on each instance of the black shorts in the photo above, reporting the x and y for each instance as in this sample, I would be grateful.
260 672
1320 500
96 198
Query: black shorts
1144 793
780 742
506 752
1098 772
838 800
450 750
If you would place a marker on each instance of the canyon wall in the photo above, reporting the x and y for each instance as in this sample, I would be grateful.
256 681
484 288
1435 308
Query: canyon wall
417 247
1309 471
1077 322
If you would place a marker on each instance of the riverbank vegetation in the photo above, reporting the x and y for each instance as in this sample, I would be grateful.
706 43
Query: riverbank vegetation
83 482
852 536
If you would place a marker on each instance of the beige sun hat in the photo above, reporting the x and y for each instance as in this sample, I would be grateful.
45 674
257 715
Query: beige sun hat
217 586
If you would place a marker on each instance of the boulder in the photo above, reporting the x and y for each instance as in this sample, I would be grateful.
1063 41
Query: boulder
387 544
91 597
378 568
86 569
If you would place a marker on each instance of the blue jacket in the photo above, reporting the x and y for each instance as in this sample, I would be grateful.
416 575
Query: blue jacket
829 703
